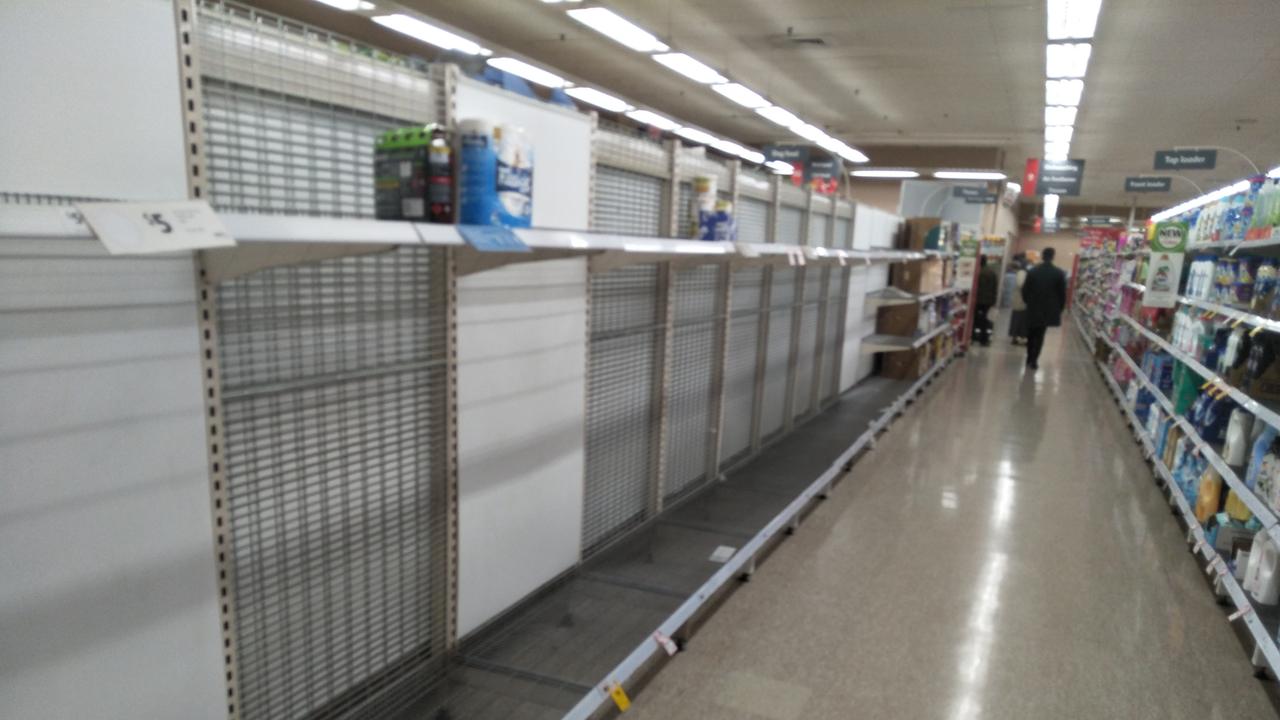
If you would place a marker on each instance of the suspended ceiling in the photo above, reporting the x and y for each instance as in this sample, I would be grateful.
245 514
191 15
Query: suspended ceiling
881 74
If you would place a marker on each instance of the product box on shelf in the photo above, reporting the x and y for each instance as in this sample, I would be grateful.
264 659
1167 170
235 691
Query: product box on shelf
919 276
924 233
413 174
901 320
906 364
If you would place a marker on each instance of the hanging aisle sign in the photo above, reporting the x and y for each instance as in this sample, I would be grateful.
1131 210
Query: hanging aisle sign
1147 184
974 195
1192 159
1168 248
1060 177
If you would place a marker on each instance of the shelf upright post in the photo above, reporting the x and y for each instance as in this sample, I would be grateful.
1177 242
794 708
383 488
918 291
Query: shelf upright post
670 220
660 402
720 353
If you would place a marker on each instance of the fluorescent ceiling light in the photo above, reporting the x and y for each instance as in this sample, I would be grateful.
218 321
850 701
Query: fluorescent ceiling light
780 167
557 2
1058 133
696 135
1063 92
853 155
779 115
1066 60
1060 115
617 28
830 144
1057 151
428 33
520 68
874 173
1050 207
969 175
652 118
750 155
741 94
691 68
808 132
1274 172
348 5
728 147
1205 199
1073 19
601 100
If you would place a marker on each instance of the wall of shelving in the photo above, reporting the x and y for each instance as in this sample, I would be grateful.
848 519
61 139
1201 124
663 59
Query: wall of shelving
588 399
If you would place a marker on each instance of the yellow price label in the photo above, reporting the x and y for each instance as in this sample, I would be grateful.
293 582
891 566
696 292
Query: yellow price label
1236 324
620 697
1255 331
1207 384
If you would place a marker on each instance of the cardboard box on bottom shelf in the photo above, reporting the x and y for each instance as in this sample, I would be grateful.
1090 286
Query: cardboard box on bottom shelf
919 276
905 364
923 233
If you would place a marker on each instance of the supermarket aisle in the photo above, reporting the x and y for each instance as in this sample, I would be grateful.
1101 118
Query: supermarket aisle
1001 554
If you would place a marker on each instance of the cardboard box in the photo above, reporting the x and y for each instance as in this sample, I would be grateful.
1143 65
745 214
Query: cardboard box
906 364
898 319
923 233
919 276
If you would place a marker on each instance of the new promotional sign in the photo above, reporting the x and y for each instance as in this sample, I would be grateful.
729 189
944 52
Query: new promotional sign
1060 177
1168 248
1191 159
1147 184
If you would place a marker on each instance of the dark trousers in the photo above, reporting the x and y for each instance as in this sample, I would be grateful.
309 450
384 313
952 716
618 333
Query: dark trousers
982 325
1035 341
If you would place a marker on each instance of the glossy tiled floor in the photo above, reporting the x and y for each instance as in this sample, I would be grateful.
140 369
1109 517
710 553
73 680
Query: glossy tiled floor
1003 553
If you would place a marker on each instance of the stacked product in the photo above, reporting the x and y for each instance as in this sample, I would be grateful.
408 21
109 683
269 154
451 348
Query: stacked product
1249 214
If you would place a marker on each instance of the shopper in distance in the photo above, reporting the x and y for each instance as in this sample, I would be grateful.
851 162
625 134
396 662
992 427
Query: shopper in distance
1045 293
988 294
1018 312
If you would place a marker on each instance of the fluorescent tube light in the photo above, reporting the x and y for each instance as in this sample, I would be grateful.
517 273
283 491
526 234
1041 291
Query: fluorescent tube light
1057 151
1205 199
696 135
557 2
348 5
885 174
1063 92
1050 207
754 156
779 115
1274 172
741 94
808 132
601 100
428 33
728 147
1066 60
969 175
652 118
520 68
691 68
619 29
1073 19
853 155
1058 133
1060 115
830 144
781 168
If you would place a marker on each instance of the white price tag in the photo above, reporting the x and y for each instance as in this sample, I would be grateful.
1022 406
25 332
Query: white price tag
1240 613
666 643
747 250
153 227
722 554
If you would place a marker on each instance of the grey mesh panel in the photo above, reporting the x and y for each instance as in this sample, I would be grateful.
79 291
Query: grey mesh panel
686 215
844 239
818 225
778 350
740 386
830 372
790 221
753 220
626 202
620 421
692 353
805 353
747 284
334 401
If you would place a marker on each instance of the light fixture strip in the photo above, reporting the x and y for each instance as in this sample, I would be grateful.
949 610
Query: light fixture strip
619 29
690 67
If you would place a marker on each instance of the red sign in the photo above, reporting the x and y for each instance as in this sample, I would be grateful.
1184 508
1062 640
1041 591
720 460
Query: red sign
1030 177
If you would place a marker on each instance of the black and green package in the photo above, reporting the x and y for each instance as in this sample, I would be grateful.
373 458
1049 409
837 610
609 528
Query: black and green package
413 174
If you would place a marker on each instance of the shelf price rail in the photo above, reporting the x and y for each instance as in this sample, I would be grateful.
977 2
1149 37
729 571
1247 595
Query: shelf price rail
1266 652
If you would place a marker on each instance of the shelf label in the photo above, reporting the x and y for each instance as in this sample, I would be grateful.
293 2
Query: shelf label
155 227
666 643
619 697
492 238
1246 610
722 554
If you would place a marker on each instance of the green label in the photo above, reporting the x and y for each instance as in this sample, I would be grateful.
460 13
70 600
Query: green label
1170 237
969 248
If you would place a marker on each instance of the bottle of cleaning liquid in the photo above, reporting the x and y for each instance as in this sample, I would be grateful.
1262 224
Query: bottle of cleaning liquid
1236 449
1266 583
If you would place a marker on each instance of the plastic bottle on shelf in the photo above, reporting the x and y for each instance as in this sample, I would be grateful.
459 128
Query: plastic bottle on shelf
1266 582
1264 286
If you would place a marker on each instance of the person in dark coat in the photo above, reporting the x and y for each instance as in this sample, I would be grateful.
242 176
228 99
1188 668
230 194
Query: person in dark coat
988 296
1045 292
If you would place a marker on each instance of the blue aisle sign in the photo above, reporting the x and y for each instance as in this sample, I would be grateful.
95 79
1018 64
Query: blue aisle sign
974 195
492 238
1147 184
1190 159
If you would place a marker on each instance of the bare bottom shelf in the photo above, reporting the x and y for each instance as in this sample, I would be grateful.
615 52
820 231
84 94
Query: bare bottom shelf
541 658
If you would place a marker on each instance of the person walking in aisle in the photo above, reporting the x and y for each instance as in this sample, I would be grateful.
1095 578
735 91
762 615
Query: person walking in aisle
1018 313
1045 292
988 296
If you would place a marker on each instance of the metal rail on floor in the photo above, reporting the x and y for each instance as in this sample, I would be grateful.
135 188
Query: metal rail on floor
1266 653
743 561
